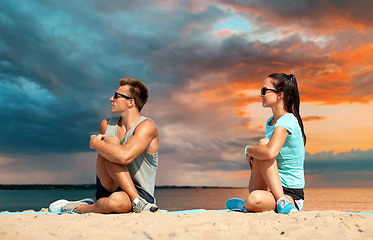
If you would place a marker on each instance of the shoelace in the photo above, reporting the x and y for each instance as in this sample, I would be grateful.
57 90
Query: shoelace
140 204
282 203
241 206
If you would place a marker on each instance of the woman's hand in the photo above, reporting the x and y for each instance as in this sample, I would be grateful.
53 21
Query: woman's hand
249 161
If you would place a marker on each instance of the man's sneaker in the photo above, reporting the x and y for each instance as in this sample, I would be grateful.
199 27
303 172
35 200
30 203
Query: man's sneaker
236 204
284 206
141 205
63 206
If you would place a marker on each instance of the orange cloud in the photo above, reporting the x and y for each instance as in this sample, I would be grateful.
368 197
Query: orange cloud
248 127
353 57
313 118
224 33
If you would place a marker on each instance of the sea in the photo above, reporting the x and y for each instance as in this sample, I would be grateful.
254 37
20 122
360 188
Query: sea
177 199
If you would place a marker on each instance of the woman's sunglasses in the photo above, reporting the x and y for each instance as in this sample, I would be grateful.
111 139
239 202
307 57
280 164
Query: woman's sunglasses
116 94
263 91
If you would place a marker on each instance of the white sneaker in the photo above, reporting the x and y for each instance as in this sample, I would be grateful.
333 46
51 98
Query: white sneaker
63 206
141 205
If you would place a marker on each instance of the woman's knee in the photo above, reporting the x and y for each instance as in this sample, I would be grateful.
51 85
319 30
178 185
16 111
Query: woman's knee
252 200
259 201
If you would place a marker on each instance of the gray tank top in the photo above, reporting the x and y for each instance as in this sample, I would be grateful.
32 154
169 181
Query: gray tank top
144 167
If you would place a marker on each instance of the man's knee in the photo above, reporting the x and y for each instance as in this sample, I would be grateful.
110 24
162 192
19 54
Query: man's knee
263 141
118 202
112 139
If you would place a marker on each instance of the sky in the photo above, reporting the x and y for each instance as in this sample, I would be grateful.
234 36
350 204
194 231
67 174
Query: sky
204 63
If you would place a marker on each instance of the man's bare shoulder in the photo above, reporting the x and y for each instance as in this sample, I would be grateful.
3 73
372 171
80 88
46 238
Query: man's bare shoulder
147 126
103 125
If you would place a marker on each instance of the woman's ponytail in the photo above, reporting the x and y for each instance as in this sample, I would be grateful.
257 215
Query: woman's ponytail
289 86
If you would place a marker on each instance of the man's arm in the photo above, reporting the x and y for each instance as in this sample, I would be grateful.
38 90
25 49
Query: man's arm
101 136
103 126
144 134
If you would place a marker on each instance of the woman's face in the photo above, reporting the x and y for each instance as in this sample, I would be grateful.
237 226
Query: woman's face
270 97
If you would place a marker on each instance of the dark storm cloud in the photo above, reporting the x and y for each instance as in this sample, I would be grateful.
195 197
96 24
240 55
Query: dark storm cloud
66 65
329 162
61 61
77 54
308 13
73 57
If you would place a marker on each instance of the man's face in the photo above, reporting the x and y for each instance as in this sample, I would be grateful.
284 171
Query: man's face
122 100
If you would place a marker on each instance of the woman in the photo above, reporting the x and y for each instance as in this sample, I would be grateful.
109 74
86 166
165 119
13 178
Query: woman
277 174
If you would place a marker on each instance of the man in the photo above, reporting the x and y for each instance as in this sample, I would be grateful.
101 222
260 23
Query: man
127 158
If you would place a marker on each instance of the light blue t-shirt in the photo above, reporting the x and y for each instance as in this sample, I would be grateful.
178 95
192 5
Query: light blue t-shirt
290 160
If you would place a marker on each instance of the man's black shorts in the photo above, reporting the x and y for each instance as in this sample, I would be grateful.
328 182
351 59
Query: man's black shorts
102 192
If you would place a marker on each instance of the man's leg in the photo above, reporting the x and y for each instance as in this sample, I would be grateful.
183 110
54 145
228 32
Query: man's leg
112 175
117 202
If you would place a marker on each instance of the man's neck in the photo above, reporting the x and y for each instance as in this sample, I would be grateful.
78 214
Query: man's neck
129 119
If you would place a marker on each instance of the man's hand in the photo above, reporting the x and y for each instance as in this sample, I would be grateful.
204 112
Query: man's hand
95 138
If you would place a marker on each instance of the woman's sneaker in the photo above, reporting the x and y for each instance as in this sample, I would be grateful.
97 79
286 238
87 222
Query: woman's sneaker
284 206
141 205
236 204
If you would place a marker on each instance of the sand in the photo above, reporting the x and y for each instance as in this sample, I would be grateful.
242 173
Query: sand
203 225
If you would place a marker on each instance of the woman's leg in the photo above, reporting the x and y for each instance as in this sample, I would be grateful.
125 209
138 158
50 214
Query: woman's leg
265 185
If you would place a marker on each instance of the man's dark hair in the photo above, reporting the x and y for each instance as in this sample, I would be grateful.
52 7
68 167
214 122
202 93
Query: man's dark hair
138 91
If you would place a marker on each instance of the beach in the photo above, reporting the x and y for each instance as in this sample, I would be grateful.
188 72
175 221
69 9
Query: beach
325 216
203 225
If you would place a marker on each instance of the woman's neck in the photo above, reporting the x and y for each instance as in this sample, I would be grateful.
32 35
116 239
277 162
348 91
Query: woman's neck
277 113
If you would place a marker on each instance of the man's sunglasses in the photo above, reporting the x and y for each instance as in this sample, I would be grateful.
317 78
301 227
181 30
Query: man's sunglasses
264 90
116 94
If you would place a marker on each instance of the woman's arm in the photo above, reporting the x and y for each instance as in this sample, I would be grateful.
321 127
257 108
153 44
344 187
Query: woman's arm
270 150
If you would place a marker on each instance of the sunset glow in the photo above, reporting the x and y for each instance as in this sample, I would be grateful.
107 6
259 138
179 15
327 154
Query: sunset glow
204 63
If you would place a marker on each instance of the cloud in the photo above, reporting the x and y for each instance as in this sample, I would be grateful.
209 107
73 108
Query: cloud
320 17
78 168
313 118
61 62
329 162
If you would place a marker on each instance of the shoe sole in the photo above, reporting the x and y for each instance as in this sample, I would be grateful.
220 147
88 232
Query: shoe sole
89 201
293 210
290 211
